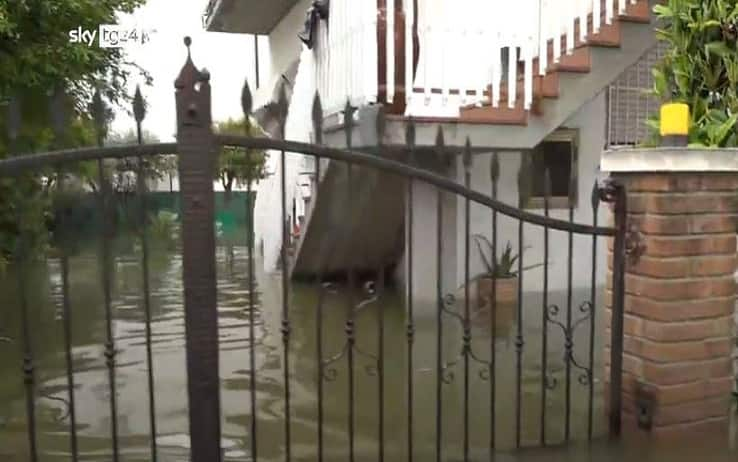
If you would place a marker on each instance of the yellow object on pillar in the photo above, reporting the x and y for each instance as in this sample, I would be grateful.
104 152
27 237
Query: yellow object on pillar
674 119
674 124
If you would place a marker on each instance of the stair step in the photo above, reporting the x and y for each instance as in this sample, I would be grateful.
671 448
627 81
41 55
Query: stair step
639 13
547 86
501 115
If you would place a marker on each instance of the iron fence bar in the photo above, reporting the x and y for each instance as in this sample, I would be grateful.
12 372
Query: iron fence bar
380 122
440 301
380 362
348 123
196 168
519 341
467 161
107 297
317 119
321 372
139 112
285 323
58 120
246 106
64 258
494 176
285 312
19 164
350 329
568 331
389 165
439 326
410 327
544 340
252 320
29 378
616 194
98 114
593 298
13 122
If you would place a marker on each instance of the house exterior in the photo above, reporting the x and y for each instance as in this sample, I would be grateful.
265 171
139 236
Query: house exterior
520 80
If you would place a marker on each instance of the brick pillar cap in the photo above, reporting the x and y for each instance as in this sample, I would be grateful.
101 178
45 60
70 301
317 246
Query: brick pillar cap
669 159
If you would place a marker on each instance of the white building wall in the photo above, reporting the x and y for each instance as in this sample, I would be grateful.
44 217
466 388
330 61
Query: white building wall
283 48
267 216
425 238
590 121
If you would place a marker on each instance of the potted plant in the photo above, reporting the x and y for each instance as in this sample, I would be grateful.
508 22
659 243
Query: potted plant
500 275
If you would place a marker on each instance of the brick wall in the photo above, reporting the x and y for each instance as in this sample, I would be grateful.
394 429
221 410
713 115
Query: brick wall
680 301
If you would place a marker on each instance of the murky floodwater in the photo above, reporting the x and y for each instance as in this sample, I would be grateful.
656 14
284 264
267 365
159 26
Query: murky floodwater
92 393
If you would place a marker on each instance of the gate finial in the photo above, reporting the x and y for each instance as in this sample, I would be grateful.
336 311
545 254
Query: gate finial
440 145
317 115
99 116
494 168
189 75
193 93
139 105
247 101
596 197
381 124
467 156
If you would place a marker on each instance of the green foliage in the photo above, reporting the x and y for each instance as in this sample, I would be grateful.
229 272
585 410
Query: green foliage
164 230
124 172
35 57
494 268
236 166
700 67
35 51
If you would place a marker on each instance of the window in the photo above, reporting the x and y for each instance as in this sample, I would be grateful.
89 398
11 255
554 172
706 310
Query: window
557 154
630 105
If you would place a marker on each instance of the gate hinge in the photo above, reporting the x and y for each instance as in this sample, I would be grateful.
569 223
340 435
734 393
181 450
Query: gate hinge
635 246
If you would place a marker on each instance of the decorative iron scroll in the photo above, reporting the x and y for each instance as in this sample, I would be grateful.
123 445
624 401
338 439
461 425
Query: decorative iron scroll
466 349
586 308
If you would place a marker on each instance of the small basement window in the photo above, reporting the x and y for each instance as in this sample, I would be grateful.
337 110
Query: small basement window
557 154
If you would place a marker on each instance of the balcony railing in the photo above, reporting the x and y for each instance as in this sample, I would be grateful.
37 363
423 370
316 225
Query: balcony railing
431 57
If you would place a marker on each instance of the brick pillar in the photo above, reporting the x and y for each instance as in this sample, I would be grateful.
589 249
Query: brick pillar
680 301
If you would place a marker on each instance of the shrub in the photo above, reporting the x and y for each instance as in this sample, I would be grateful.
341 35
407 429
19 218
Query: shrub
700 67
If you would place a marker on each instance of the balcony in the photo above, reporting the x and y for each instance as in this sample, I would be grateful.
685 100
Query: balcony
426 58
245 16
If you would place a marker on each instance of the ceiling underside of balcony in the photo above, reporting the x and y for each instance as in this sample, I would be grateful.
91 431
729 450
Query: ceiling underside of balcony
248 16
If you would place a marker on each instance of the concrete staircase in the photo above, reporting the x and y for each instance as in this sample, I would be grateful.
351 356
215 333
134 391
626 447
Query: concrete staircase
579 63
362 232
367 232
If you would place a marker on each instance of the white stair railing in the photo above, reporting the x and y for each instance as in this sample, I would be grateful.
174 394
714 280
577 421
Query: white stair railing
462 46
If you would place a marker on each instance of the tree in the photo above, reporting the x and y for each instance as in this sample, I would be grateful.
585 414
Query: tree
124 172
236 166
36 61
36 51
700 67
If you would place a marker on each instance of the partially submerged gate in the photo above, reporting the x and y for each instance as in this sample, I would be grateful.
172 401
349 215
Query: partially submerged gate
195 149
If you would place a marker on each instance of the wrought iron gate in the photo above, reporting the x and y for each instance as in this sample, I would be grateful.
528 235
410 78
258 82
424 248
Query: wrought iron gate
196 148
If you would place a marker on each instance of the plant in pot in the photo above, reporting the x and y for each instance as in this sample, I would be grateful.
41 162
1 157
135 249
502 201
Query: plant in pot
699 68
499 278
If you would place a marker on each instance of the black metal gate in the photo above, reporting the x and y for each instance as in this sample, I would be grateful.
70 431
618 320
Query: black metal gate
196 148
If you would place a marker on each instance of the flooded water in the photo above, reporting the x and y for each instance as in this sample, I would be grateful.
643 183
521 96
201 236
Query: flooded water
92 393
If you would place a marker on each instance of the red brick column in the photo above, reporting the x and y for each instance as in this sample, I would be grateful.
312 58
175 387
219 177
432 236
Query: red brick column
679 302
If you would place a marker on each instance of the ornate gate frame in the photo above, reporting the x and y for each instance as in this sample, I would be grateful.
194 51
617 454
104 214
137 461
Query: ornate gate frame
196 148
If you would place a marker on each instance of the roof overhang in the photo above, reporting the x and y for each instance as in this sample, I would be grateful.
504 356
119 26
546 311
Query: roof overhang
246 16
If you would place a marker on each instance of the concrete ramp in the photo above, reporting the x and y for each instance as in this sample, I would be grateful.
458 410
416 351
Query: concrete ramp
358 227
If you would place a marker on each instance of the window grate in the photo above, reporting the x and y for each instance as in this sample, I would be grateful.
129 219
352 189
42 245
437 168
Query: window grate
629 106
